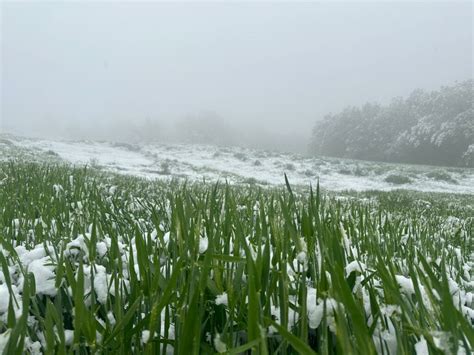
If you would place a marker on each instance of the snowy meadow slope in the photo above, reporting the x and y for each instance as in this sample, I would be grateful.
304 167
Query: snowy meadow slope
240 165
101 260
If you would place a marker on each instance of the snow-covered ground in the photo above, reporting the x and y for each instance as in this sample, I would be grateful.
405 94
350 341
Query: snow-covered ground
237 165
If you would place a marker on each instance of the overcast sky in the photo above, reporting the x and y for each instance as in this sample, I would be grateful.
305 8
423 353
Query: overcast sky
281 65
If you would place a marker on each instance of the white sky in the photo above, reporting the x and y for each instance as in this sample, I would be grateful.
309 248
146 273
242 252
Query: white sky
279 65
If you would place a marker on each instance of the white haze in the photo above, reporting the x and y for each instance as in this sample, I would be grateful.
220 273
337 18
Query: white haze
263 73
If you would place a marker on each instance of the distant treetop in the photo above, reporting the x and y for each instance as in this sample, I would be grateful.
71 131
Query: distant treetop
435 128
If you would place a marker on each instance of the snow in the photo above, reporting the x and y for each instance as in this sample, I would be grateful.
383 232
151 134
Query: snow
302 257
41 266
355 266
222 299
166 238
101 248
44 276
210 163
220 346
33 347
4 340
28 256
111 318
145 336
76 246
315 313
203 244
57 189
101 284
5 301
406 285
68 336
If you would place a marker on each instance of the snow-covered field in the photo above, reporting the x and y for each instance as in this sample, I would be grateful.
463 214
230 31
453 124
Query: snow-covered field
234 164
94 262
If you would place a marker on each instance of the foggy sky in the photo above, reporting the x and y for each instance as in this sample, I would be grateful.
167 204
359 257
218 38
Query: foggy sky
272 66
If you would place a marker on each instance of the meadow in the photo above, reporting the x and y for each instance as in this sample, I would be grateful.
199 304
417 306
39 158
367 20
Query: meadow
96 262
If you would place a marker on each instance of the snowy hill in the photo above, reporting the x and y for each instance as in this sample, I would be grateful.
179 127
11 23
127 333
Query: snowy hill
240 165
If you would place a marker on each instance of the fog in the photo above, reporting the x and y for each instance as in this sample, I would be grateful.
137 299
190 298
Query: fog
257 74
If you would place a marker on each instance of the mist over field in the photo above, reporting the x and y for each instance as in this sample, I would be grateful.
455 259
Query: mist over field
252 74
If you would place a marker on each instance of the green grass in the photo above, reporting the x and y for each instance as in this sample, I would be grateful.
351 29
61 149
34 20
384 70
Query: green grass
441 175
397 179
303 271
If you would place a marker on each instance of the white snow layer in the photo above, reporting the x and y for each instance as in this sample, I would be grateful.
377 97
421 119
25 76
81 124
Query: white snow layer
234 164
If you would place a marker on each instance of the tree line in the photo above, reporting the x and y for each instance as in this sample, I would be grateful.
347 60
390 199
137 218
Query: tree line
435 128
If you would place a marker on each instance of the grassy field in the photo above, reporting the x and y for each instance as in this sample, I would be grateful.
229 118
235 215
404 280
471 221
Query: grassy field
93 262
